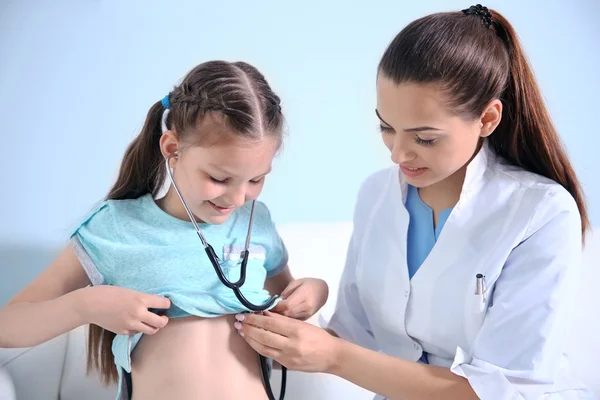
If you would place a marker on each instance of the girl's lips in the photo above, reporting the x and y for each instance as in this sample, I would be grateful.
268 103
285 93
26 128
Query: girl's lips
221 210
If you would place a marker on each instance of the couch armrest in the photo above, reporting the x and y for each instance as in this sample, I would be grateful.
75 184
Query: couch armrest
7 388
42 365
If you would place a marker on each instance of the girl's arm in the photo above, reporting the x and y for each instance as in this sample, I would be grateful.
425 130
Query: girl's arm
52 304
58 301
277 284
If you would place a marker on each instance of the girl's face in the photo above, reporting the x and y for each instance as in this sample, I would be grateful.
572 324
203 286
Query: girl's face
428 141
217 178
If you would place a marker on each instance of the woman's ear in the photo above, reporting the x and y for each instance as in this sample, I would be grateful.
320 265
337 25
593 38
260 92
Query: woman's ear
169 144
490 118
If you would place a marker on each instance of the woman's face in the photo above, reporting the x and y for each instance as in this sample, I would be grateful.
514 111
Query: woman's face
427 140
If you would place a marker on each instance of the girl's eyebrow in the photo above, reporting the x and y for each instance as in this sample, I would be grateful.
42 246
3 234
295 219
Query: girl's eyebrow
220 168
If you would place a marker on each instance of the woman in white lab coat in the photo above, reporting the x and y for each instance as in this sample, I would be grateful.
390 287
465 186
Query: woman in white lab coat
462 266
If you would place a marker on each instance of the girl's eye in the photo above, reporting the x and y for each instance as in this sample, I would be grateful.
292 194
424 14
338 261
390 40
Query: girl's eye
215 180
224 181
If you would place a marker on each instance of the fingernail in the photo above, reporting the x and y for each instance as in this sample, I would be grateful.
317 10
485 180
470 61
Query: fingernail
241 333
240 317
237 326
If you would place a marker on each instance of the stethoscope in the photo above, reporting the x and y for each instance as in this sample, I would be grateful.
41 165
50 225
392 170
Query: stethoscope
235 286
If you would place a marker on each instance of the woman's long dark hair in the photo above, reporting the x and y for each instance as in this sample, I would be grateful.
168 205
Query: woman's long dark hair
476 57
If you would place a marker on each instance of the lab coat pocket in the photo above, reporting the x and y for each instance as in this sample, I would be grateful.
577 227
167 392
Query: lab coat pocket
478 308
478 304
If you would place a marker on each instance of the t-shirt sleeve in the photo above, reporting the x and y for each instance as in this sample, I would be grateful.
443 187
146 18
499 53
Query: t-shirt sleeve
93 240
276 253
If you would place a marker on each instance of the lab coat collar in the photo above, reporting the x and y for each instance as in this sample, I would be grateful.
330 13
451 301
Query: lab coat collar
473 177
476 169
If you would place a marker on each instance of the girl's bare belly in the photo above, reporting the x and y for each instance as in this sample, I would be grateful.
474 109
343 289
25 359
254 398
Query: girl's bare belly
196 358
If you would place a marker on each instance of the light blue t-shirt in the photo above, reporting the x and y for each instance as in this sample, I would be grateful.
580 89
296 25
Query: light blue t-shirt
134 244
421 233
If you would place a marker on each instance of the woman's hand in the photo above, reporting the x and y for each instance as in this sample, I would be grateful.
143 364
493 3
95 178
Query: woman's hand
302 298
125 311
294 344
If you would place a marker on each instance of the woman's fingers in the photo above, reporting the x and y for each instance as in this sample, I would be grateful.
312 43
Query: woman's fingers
272 322
265 338
261 349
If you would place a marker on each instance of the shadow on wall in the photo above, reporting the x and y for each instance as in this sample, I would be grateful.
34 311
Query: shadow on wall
19 265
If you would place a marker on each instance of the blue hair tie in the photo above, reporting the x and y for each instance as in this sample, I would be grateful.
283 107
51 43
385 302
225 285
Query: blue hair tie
165 102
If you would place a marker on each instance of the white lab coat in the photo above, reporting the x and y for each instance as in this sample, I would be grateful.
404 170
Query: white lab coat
520 230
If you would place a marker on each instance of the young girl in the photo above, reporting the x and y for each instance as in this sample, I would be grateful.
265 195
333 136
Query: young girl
463 265
219 130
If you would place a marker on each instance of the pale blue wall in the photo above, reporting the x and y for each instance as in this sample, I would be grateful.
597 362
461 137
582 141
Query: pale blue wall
77 78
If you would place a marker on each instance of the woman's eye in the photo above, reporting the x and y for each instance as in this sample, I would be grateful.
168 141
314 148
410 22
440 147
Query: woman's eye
256 182
385 129
424 142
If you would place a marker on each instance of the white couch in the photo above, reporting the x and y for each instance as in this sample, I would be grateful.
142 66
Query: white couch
56 369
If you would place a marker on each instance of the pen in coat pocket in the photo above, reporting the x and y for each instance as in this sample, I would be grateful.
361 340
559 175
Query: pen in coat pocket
479 284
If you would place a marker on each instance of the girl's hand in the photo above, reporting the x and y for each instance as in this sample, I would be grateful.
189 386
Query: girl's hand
302 298
125 311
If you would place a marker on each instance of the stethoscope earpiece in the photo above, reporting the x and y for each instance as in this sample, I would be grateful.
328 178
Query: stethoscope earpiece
168 159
